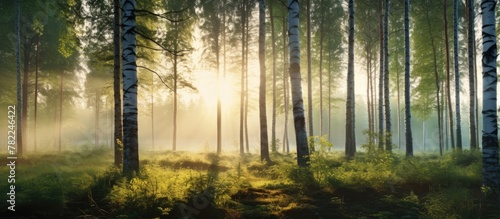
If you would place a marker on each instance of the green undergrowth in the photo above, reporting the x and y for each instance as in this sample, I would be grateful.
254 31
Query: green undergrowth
373 184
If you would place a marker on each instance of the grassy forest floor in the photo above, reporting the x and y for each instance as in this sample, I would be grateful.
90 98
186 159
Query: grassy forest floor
204 185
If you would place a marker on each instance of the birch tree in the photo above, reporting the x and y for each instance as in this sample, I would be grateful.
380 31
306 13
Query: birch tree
491 168
130 126
296 85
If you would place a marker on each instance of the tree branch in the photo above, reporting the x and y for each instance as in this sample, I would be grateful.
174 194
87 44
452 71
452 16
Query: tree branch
153 71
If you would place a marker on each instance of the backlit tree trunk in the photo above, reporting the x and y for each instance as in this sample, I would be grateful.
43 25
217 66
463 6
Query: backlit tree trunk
448 80
118 128
472 90
408 130
457 74
264 144
273 48
387 134
350 145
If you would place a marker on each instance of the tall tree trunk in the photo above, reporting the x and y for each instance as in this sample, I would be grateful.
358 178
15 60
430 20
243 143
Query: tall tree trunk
242 94
309 71
350 146
174 136
472 93
329 95
368 100
247 29
264 147
37 55
408 130
321 80
273 48
438 86
60 110
224 60
152 114
295 81
130 127
96 116
118 128
25 87
219 107
381 132
388 133
285 89
491 168
448 83
457 74
20 119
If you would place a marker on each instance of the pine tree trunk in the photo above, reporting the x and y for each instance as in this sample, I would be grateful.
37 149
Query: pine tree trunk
264 147
285 89
472 93
37 55
219 105
381 132
408 130
242 90
448 83
388 133
296 85
321 81
491 168
350 146
273 48
174 135
309 71
457 74
130 126
247 30
19 140
60 110
118 128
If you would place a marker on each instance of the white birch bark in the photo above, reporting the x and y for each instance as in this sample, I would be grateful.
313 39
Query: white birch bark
296 85
130 128
491 168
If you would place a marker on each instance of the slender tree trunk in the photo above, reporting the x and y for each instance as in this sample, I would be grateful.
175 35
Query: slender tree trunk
350 146
25 87
152 114
309 71
296 85
118 128
381 82
448 80
174 136
60 110
438 93
219 107
242 94
130 127
329 95
264 147
224 60
321 80
285 89
457 74
36 92
472 93
19 140
247 29
491 168
368 100
408 130
273 48
96 116
388 133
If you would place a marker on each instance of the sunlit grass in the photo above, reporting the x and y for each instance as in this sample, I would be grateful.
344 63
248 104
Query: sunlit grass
207 185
